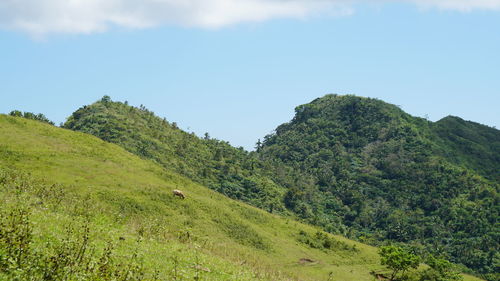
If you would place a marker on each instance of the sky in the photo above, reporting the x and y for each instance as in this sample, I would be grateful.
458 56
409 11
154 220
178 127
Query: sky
237 68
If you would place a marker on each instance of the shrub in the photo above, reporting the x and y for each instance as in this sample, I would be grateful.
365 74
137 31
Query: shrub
398 260
439 270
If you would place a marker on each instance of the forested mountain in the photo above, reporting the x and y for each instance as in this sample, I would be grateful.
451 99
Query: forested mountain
391 176
355 166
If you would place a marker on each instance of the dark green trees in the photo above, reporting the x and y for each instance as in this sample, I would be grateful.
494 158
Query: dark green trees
30 115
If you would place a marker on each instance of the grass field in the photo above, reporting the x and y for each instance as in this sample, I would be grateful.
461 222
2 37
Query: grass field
78 190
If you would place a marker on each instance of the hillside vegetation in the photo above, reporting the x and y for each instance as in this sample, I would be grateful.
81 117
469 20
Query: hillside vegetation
77 208
211 162
390 176
354 166
470 145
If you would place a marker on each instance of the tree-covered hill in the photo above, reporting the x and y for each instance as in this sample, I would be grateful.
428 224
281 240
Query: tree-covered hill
354 166
388 175
211 162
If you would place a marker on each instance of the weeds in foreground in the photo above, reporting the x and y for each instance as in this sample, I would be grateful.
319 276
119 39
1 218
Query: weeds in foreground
72 258
31 252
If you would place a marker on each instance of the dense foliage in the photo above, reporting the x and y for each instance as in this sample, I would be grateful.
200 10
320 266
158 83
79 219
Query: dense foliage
389 176
216 164
470 145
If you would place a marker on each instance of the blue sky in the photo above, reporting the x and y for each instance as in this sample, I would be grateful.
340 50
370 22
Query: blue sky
240 75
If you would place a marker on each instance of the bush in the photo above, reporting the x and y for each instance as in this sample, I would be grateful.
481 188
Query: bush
398 260
439 270
29 115
321 240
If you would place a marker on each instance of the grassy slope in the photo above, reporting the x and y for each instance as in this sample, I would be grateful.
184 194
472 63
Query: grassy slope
126 196
210 162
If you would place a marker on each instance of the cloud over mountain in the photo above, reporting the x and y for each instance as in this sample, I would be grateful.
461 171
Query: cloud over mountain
40 17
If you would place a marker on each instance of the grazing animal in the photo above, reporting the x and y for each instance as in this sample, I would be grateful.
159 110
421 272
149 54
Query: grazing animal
179 193
379 276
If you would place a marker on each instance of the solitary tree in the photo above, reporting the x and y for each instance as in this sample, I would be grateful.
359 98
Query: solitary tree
258 145
106 99
398 260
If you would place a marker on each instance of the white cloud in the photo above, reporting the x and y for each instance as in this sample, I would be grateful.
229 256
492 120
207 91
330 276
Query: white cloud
461 5
41 17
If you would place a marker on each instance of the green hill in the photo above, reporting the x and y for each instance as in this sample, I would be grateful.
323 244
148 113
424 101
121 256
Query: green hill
390 176
354 166
77 208
213 163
